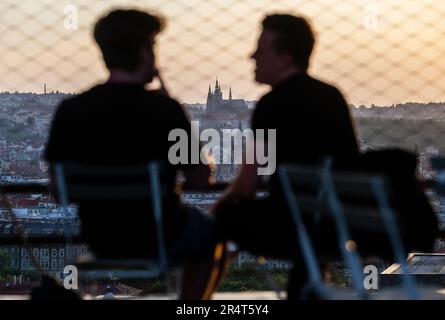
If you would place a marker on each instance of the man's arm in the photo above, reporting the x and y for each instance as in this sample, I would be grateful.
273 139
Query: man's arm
246 183
197 177
244 186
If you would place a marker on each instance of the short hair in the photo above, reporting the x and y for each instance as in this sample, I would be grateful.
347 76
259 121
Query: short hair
122 33
294 35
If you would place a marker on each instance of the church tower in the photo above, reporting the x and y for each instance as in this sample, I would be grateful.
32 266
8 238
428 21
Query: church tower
209 95
209 104
216 103
214 99
217 93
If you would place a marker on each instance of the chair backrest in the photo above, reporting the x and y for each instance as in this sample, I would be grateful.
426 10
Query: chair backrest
77 182
354 200
354 190
93 182
438 186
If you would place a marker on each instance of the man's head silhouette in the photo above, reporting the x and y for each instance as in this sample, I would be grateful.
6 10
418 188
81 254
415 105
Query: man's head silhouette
126 39
284 48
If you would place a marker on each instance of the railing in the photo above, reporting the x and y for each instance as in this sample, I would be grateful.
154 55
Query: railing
44 188
27 188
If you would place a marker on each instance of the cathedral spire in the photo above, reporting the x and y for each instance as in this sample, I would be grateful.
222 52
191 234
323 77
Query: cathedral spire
217 91
210 90
230 93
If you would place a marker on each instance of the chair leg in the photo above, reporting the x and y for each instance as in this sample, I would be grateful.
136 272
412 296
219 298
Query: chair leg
220 267
297 279
179 281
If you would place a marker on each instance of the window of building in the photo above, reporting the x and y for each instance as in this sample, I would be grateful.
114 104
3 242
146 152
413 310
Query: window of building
45 264
71 252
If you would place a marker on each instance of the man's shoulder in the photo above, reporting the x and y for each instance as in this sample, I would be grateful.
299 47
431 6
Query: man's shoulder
323 86
78 99
301 84
302 89
161 100
96 94
67 105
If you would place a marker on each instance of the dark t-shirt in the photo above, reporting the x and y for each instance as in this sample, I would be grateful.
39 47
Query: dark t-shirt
311 119
119 124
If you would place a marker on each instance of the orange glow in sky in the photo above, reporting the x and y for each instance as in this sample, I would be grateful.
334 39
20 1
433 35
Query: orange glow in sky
376 51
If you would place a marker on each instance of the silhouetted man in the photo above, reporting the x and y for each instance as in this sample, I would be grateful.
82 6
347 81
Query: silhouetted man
119 122
312 121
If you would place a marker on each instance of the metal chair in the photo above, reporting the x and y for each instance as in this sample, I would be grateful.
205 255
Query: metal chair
79 182
316 192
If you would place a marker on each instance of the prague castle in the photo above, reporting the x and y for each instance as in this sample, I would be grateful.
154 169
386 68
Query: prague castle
216 103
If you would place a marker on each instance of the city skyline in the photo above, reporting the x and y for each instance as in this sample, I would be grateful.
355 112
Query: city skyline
203 102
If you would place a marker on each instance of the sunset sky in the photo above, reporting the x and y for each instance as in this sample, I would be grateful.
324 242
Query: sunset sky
376 51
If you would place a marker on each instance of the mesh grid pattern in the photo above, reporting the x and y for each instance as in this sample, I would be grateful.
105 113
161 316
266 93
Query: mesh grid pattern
376 52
